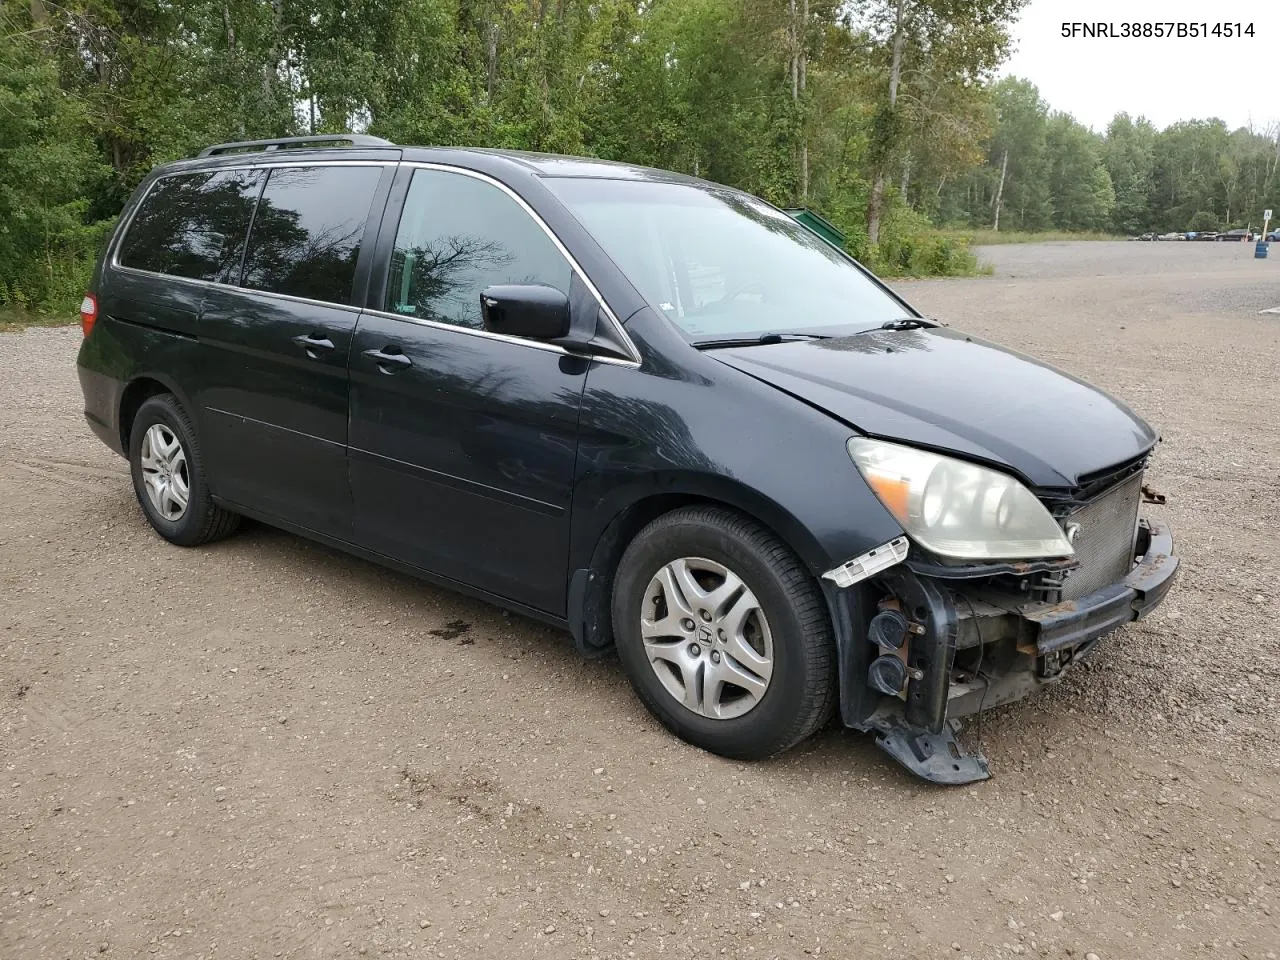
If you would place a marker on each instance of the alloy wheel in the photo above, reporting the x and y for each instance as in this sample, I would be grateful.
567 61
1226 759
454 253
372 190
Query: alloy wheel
707 638
164 471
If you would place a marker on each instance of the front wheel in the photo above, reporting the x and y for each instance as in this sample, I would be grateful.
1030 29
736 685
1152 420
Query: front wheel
723 634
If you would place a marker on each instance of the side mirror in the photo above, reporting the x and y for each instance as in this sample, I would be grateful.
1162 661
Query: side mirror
525 310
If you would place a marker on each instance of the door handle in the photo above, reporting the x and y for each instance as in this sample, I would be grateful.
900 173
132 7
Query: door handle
314 344
389 362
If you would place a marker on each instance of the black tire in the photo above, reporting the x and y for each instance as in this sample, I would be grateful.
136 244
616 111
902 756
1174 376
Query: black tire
801 693
201 521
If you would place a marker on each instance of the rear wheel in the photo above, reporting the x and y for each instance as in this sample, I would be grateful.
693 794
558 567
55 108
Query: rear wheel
723 633
168 476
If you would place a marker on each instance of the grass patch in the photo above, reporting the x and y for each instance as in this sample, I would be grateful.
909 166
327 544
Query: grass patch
983 237
978 268
14 318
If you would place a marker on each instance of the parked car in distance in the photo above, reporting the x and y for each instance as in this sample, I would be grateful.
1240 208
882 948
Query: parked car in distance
1172 236
1274 236
1144 236
1239 234
1205 235
648 409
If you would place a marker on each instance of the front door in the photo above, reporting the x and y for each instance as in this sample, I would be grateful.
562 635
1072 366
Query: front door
274 388
462 443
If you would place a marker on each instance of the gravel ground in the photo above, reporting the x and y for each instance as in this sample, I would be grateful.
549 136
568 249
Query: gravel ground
267 749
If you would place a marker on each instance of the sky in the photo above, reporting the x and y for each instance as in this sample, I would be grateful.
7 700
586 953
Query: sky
1165 80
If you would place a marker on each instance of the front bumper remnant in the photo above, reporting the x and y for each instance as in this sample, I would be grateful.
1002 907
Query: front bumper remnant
1073 622
938 757
1036 643
975 644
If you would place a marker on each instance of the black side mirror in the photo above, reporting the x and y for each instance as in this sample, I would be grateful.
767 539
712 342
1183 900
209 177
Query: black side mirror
525 310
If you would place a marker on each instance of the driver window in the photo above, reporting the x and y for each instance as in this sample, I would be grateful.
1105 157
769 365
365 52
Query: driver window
458 235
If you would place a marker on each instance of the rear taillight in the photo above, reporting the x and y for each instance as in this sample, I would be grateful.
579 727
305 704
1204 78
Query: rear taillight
88 313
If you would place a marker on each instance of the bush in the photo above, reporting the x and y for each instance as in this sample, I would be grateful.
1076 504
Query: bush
911 246
1201 221
55 277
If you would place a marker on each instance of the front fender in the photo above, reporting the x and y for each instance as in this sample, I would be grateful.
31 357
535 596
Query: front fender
715 433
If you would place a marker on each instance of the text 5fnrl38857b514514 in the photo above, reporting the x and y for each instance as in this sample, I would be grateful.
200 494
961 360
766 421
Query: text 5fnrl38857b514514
1158 29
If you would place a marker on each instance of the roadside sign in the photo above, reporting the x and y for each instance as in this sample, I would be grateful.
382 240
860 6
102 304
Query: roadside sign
1266 214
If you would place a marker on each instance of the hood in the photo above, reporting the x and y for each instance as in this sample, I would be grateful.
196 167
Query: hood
949 392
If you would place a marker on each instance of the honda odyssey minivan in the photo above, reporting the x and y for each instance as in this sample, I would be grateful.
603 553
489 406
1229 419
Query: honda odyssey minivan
652 410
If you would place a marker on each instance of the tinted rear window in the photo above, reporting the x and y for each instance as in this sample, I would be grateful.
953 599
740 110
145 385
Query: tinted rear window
306 235
193 225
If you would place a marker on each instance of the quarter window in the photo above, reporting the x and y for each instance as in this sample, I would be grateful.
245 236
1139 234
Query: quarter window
458 235
193 225
307 231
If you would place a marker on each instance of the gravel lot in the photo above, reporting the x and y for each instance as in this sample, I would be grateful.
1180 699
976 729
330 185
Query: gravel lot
268 749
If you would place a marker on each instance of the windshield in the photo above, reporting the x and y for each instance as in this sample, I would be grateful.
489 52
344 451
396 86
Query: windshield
721 264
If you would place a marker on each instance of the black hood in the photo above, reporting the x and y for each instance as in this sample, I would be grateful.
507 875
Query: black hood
940 389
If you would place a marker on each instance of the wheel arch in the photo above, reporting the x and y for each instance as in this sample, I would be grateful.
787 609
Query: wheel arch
593 570
141 388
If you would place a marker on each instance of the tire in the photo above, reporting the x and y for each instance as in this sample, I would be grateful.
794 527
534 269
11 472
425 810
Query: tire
163 473
789 633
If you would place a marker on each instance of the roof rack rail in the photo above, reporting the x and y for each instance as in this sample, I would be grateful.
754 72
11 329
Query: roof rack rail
245 146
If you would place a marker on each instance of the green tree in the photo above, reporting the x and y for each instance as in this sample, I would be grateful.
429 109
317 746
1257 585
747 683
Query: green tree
1082 194
1129 155
1202 221
953 42
1188 172
867 113
1022 197
47 170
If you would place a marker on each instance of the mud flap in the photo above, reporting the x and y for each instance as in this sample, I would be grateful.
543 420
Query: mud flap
937 757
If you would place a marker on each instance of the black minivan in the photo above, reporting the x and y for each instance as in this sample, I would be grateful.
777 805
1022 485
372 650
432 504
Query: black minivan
649 409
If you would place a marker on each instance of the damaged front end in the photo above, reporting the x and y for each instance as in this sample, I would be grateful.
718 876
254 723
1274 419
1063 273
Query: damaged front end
923 643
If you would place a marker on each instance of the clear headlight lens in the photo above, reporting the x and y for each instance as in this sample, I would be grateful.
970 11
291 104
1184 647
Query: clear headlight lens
956 508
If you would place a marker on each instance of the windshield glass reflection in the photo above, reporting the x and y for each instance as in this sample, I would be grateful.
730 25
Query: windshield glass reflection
720 263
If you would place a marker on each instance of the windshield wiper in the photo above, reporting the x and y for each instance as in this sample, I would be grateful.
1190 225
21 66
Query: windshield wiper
905 323
762 339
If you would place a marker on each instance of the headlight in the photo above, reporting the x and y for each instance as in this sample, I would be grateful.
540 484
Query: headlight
956 508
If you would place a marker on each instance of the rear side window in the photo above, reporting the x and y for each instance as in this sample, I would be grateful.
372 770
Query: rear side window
307 232
193 225
458 235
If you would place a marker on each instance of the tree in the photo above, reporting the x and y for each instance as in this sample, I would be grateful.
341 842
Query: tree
1203 221
1022 136
47 169
881 115
1187 172
1082 195
954 42
1129 155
